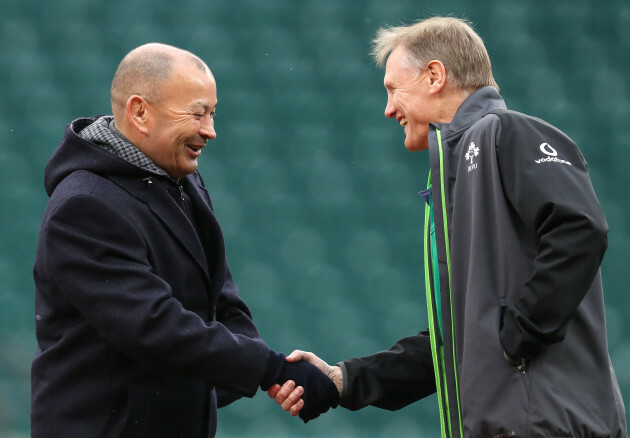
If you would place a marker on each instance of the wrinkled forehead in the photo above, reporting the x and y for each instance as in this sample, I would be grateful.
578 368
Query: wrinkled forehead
191 85
396 66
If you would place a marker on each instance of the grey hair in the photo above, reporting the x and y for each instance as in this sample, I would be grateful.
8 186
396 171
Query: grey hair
449 40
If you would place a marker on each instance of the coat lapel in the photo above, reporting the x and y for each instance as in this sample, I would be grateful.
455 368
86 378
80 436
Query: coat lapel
209 228
168 212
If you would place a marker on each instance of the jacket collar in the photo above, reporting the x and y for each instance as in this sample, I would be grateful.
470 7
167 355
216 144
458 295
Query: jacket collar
477 105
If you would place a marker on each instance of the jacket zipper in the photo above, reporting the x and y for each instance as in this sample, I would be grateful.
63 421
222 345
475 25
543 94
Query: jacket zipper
450 408
436 349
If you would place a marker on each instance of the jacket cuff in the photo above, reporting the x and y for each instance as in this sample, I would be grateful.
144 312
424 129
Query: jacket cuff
275 365
344 379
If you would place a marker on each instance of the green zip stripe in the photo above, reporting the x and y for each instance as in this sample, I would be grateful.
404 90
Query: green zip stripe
438 306
436 272
433 337
448 263
444 378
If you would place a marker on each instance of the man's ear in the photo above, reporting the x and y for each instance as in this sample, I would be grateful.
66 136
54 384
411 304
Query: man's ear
437 76
137 113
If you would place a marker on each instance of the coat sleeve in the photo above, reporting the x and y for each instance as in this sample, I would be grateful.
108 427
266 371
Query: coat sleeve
99 262
546 181
234 314
390 379
231 309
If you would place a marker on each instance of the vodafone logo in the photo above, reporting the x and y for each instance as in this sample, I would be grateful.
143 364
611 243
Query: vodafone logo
552 155
548 150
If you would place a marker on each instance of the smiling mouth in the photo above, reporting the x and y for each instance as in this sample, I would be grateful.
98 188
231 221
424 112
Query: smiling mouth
193 148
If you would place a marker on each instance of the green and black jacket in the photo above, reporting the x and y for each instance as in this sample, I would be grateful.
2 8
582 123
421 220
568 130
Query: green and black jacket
514 238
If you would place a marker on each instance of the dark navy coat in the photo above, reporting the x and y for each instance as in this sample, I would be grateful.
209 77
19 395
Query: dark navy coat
138 320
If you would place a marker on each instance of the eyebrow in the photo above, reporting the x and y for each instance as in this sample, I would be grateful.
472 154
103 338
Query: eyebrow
204 105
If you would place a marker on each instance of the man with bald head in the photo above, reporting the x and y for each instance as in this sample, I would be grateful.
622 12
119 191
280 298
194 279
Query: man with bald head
140 327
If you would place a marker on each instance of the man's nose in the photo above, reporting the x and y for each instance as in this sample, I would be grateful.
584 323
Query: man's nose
207 129
390 111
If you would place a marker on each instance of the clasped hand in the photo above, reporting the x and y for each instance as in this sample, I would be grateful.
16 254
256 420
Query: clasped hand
306 402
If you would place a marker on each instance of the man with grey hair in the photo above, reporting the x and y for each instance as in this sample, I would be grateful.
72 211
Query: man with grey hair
514 237
140 327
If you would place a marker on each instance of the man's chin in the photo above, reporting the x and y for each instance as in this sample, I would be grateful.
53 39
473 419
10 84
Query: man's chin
415 146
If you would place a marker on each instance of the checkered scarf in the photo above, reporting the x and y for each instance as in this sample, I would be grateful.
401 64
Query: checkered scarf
103 133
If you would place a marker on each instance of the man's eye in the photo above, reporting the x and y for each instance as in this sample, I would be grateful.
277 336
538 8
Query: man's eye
202 115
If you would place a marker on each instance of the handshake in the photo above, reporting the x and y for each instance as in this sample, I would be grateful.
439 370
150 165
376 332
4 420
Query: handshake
309 385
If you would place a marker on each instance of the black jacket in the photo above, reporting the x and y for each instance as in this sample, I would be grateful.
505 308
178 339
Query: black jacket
519 238
138 319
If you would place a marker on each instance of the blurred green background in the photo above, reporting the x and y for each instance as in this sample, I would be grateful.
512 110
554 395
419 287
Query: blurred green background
315 191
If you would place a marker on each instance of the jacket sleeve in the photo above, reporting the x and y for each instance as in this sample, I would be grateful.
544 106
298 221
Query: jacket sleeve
546 181
106 273
390 379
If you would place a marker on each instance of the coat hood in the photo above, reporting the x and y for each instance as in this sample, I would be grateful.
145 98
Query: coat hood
74 153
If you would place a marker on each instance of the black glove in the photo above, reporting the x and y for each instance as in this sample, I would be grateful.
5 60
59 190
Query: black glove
320 393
